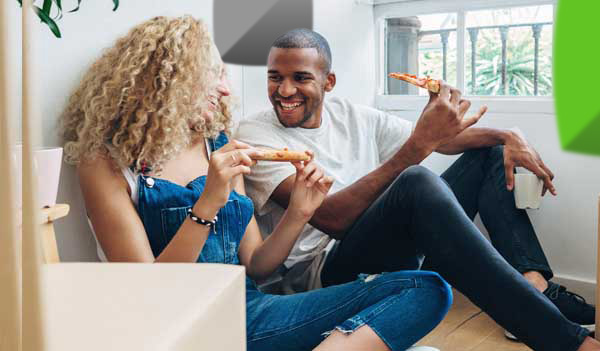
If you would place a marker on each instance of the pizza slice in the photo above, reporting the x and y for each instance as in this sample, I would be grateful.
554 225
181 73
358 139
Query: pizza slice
284 155
432 85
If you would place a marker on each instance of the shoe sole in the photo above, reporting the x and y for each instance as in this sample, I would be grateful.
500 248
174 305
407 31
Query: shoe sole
511 337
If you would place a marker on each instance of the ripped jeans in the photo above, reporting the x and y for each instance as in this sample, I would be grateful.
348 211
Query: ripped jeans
401 307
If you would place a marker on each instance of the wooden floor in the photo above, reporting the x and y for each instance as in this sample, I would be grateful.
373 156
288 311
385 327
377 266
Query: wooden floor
467 328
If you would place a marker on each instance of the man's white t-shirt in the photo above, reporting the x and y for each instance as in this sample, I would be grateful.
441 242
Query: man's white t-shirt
352 141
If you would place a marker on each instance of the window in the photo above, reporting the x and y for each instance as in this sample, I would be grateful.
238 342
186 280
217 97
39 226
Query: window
505 51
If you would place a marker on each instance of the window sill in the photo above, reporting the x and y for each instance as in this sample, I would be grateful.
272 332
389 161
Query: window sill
496 104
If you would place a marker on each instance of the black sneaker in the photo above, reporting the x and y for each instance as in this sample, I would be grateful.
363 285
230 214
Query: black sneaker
571 305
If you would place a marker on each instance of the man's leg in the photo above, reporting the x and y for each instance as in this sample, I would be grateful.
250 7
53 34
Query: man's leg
419 213
477 179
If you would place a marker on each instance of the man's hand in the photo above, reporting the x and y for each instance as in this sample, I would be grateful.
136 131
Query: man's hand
443 118
518 153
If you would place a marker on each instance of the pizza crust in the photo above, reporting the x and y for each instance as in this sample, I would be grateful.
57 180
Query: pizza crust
282 156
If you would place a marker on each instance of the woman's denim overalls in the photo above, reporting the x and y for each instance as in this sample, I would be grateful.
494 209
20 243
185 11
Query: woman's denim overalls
401 307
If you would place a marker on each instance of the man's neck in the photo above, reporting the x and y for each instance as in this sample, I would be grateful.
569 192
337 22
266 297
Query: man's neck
315 120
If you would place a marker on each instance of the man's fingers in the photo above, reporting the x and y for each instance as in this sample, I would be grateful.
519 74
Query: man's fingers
463 107
509 174
545 177
444 90
547 170
467 122
455 96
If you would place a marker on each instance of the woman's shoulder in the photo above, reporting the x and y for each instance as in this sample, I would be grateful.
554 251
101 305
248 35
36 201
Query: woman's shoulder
103 173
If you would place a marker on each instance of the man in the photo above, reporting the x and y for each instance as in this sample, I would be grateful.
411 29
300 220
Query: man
386 211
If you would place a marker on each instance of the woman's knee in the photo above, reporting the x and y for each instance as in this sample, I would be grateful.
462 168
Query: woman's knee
432 283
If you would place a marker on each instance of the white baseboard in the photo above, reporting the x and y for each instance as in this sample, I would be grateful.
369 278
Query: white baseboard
583 287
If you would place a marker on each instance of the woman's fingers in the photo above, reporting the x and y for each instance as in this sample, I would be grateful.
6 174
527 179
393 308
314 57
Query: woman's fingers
239 156
307 170
311 154
314 177
239 169
233 145
324 184
299 165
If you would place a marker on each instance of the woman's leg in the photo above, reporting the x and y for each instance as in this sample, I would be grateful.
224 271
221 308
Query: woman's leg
400 308
364 338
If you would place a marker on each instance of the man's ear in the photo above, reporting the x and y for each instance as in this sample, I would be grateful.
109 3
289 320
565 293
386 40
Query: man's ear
330 81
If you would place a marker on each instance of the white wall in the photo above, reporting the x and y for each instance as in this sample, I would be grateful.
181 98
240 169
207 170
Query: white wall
61 62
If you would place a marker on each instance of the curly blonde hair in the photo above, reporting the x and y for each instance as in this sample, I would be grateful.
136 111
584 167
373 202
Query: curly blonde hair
143 100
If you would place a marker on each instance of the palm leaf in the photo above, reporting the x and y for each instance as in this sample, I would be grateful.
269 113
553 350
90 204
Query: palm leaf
44 17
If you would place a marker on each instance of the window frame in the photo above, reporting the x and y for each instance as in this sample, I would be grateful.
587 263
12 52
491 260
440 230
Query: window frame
384 9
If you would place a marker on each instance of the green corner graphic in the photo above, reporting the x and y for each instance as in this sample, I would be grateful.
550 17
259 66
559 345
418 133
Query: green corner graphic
577 75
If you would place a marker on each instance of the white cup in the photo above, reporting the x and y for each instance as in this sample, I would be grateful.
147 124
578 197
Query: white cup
46 165
528 190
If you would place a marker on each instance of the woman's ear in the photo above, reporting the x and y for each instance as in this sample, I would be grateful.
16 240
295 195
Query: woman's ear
330 82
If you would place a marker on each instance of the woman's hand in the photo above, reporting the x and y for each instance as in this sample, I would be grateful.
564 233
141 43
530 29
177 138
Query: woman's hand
310 188
226 163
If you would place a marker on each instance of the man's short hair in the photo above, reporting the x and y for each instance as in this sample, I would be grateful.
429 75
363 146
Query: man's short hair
303 38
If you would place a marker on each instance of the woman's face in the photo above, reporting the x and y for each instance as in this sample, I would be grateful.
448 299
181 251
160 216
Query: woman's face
217 92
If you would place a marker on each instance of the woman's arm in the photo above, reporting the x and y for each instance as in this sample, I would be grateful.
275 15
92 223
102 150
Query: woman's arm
118 226
116 222
262 258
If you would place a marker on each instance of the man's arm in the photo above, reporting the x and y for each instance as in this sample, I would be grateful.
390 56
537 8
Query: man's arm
441 121
517 152
339 211
474 138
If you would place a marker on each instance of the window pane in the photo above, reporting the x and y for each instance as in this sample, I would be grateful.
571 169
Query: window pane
420 45
489 71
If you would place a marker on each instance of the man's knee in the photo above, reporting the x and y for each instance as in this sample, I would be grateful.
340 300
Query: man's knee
497 152
418 178
494 153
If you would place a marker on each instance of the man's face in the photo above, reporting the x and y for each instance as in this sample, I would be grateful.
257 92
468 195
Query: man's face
297 86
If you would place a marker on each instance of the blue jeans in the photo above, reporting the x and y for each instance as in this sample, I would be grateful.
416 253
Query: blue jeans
401 307
420 215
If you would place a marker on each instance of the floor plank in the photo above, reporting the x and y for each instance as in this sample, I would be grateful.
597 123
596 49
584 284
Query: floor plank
467 328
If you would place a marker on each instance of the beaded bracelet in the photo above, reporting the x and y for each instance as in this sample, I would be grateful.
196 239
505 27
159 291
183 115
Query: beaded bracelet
199 220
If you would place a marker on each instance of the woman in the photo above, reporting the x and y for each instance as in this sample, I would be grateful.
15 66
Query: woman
147 128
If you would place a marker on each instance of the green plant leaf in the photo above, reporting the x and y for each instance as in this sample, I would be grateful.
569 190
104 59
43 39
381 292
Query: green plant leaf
49 21
77 8
59 5
47 6
116 2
